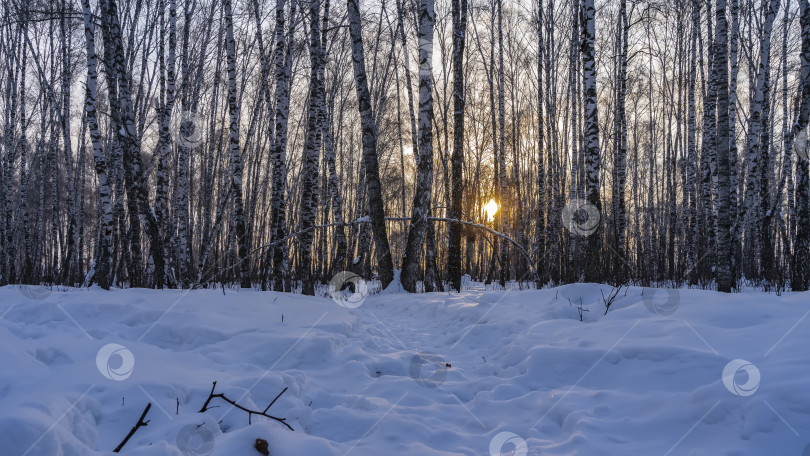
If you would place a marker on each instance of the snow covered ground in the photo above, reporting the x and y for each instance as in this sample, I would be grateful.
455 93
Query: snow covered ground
483 372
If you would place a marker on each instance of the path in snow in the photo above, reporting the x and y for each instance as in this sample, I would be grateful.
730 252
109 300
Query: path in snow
524 373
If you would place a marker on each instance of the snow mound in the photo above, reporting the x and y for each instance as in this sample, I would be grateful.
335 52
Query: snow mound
667 372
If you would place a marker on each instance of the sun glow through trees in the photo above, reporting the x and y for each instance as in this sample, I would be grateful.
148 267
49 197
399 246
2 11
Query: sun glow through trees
491 208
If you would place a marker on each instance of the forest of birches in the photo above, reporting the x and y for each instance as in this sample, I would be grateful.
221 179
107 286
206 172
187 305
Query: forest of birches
274 143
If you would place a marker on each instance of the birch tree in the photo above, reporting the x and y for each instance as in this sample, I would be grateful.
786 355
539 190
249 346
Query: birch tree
282 56
692 162
800 266
424 177
370 160
757 192
102 262
127 137
540 230
591 138
620 142
235 150
515 120
316 112
721 179
459 13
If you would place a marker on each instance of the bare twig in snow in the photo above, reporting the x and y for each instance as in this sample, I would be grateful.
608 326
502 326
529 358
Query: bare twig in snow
138 425
250 412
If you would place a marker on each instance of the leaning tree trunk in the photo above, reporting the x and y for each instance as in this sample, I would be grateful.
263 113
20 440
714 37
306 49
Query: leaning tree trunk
370 160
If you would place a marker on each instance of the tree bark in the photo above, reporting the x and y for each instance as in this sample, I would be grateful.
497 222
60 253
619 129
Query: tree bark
235 151
370 160
722 222
591 138
454 262
316 111
422 199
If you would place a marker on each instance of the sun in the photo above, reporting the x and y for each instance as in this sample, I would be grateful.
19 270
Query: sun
491 208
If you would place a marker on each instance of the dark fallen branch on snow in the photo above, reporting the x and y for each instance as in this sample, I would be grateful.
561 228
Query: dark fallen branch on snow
250 412
137 426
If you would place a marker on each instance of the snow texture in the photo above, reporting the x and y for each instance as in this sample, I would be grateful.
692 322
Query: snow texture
476 373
